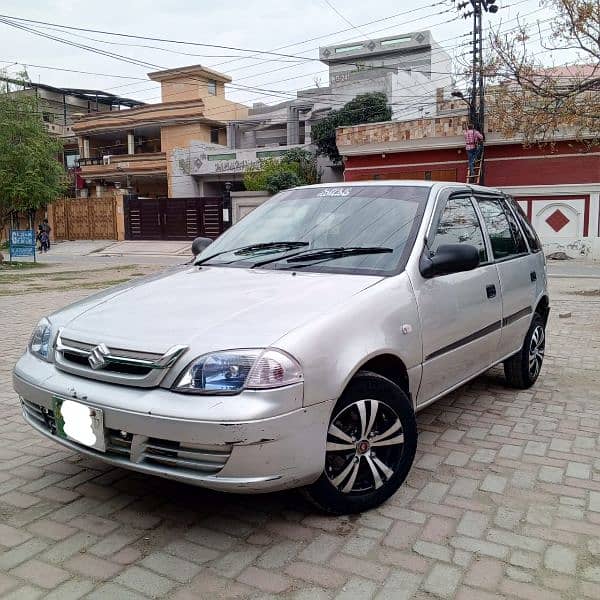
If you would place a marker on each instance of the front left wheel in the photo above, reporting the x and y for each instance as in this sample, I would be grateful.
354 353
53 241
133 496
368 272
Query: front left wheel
371 445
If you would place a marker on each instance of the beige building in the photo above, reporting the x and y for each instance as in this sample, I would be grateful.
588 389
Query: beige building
132 149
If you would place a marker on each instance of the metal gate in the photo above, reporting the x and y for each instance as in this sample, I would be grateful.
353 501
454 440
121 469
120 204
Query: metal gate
172 218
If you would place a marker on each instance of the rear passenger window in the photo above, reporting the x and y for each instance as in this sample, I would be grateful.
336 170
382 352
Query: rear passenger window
505 235
532 238
459 224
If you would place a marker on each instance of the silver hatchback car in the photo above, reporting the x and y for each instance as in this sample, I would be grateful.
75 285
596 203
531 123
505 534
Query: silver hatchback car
298 347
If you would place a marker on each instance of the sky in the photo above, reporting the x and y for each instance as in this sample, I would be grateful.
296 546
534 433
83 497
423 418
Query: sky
263 25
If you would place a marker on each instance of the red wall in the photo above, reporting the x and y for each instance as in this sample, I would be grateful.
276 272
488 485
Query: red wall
506 165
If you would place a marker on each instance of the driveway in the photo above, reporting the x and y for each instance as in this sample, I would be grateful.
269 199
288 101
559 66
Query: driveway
503 500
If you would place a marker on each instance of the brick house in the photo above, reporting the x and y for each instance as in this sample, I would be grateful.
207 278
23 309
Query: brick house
558 186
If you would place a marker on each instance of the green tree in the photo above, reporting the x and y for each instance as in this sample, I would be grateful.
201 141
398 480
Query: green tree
31 175
365 108
295 167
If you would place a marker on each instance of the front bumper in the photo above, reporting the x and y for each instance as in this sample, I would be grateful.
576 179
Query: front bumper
259 453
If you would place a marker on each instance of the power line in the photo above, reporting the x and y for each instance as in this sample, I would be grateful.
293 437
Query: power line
74 71
440 51
341 16
305 59
96 50
245 88
327 95
10 18
158 48
149 64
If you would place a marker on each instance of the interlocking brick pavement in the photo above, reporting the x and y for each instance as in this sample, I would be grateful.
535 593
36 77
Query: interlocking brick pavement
503 502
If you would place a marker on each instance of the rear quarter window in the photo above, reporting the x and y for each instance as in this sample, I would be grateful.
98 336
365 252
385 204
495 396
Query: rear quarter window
532 238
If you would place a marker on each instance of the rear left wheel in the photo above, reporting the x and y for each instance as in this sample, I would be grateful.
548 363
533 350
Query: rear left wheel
522 369
371 444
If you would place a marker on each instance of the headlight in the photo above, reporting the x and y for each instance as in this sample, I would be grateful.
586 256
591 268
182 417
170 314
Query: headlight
39 344
231 371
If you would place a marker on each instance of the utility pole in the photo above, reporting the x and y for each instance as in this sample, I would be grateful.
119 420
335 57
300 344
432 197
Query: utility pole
475 9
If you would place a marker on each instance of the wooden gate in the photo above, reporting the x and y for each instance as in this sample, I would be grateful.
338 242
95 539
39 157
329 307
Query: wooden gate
84 219
172 218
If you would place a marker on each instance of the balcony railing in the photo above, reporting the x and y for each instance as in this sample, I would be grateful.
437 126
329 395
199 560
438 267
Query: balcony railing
88 162
102 166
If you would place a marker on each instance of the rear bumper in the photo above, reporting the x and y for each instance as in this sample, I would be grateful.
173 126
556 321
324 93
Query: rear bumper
250 455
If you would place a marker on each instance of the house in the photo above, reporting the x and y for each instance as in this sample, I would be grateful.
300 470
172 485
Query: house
131 149
557 185
61 107
407 68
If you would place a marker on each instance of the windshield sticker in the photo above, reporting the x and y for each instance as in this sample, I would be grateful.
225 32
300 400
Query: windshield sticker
335 192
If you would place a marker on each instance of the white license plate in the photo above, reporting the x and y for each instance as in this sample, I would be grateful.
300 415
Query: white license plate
80 423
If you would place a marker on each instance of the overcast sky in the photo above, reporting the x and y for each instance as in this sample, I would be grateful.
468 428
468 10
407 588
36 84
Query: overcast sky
260 25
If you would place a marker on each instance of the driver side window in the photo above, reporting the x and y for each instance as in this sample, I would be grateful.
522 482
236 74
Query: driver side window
459 224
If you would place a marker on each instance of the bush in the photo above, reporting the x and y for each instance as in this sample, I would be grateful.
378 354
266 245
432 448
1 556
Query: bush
295 167
282 180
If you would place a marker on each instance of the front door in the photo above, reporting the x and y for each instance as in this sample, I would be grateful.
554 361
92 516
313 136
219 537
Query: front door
517 268
461 312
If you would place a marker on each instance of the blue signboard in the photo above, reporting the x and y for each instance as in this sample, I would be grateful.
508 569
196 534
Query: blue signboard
22 243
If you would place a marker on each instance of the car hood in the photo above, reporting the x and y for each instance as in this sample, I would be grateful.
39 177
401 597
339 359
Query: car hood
210 308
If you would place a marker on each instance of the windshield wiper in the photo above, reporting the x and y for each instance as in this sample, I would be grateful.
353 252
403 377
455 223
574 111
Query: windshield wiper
322 254
253 248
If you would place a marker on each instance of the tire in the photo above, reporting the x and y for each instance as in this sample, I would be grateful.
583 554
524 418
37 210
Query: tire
523 368
371 445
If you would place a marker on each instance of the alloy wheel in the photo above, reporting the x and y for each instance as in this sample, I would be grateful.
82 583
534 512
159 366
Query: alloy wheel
365 442
537 348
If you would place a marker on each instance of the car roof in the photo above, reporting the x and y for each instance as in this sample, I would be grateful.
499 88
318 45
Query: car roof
404 183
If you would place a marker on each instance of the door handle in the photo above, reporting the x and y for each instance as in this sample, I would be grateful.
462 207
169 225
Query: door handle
533 276
490 290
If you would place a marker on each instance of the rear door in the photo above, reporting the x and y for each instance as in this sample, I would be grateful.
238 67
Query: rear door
538 262
517 271
461 312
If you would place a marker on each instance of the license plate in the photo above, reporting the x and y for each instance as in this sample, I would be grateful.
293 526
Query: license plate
79 423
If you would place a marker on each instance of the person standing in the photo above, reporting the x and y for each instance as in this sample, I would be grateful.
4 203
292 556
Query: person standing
473 138
44 241
47 229
38 237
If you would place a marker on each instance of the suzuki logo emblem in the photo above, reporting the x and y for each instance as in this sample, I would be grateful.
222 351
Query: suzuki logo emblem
97 357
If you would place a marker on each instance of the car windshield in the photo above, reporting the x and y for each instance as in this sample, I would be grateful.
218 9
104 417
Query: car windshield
355 217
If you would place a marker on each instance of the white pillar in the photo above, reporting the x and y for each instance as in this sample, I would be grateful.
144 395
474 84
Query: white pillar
86 147
130 143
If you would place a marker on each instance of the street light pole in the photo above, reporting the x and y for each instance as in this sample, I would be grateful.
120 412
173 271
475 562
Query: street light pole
481 113
473 108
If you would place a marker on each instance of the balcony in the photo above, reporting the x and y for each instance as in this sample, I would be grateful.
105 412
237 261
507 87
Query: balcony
60 131
151 163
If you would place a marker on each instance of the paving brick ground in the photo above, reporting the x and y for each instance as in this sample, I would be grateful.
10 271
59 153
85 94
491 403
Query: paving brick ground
503 502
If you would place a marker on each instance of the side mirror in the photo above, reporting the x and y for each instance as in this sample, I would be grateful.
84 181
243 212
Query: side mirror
449 258
199 244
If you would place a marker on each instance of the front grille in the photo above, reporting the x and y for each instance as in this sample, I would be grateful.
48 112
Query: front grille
114 368
43 416
117 365
164 455
186 456
118 442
